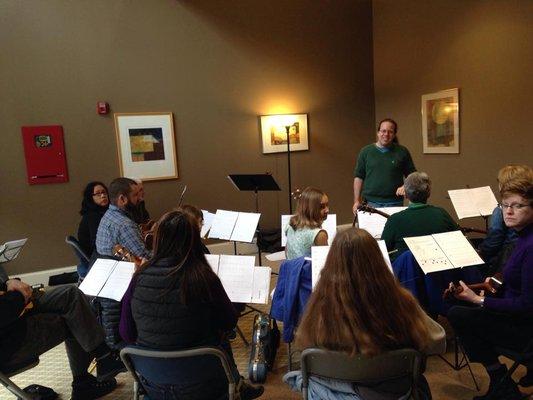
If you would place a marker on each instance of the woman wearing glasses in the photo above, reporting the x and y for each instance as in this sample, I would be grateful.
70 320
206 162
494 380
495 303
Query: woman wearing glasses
93 207
507 320
500 241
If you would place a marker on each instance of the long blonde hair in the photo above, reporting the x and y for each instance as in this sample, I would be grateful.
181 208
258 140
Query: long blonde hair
358 306
308 210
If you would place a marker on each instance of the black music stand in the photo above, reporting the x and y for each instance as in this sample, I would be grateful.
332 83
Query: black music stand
254 183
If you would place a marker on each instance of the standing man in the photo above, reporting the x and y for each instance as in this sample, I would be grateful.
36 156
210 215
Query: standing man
380 169
117 225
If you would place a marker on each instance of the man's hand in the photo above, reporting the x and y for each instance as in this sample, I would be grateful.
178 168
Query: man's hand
400 191
14 285
356 206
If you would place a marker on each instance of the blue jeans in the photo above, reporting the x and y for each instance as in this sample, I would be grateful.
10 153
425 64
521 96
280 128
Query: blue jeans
191 378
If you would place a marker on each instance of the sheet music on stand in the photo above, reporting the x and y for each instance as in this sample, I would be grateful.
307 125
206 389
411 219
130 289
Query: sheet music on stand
10 250
242 281
473 202
320 253
235 226
108 278
208 222
374 223
383 247
443 251
329 225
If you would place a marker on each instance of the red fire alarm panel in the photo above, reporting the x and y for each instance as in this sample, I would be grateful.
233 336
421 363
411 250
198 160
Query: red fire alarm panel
44 150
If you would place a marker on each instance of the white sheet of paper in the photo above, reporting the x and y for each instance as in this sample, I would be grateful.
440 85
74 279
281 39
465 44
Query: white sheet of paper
97 276
237 281
330 226
223 224
278 256
383 247
464 203
428 254
284 223
10 250
208 222
261 285
485 200
213 260
247 261
245 227
372 223
458 249
318 260
118 282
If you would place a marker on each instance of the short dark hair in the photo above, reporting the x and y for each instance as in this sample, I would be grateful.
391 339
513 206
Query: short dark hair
120 186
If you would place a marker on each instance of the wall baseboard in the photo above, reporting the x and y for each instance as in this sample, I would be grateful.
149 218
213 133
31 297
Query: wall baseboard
33 278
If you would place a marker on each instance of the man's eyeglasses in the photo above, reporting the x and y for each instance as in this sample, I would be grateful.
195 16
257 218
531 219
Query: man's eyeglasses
514 206
98 194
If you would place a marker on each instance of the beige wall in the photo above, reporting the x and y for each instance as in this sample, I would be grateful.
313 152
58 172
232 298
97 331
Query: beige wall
215 64
484 48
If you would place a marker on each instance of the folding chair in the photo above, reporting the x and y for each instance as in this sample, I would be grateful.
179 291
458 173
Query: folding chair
132 354
73 242
396 371
5 374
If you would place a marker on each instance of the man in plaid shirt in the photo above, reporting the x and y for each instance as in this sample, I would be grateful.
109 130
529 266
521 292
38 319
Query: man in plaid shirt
117 225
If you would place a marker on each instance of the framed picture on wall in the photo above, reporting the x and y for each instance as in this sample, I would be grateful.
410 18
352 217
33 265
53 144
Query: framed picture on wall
440 122
274 130
146 145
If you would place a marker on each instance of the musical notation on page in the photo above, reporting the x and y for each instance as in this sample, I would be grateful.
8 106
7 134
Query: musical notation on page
236 226
108 278
473 202
443 251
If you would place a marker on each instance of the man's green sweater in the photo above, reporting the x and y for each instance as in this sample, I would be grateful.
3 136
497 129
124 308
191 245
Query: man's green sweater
383 172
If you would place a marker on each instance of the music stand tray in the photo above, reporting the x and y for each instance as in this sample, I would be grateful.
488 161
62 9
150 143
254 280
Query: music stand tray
254 182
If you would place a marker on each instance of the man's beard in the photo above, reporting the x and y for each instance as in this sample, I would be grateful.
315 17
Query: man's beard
130 209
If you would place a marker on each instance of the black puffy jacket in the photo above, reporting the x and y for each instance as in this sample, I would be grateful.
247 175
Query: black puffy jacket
164 323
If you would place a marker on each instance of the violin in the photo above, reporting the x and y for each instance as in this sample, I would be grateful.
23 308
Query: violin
366 208
490 287
124 254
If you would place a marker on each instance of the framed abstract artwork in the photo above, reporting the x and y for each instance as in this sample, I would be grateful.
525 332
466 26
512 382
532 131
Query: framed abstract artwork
274 130
440 122
146 145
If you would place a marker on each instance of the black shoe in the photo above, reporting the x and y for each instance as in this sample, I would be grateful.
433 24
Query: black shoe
249 392
91 389
527 379
109 366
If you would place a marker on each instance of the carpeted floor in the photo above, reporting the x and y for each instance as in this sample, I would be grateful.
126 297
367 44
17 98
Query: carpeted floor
445 382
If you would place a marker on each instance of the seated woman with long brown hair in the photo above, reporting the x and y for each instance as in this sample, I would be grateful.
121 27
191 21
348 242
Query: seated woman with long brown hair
358 307
178 302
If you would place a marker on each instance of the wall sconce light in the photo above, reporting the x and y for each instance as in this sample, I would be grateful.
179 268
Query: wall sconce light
285 133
